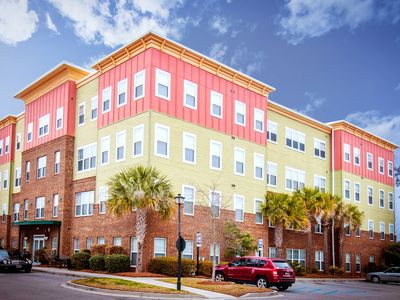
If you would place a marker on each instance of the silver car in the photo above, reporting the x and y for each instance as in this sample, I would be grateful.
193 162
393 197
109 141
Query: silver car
391 274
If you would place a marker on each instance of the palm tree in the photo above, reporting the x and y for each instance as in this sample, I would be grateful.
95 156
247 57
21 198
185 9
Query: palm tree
283 210
144 189
314 204
346 213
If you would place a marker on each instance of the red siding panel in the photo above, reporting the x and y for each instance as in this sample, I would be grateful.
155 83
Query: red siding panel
7 131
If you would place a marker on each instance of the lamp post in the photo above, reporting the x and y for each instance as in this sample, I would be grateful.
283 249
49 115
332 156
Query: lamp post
179 200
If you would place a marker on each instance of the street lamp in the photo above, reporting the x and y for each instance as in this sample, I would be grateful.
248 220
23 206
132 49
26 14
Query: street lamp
179 200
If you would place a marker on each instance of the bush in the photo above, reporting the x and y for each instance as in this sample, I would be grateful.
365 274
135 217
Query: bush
42 256
110 250
96 262
117 263
205 268
80 260
298 269
98 249
336 271
86 250
169 266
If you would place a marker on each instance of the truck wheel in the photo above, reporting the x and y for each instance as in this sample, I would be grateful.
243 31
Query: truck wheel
262 282
219 276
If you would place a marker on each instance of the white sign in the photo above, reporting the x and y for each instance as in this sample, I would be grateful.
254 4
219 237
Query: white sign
198 239
260 244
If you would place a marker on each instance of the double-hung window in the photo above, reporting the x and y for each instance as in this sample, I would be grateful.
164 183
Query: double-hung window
295 140
215 202
138 136
7 147
87 157
295 179
117 241
160 247
298 255
272 173
59 118
189 94
161 141
55 205
357 190
381 165
16 212
5 179
239 207
215 155
26 208
358 263
370 161
163 84
257 211
215 252
347 189
240 113
17 177
391 232
84 203
139 84
122 92
81 114
319 148
27 171
319 260
3 213
272 131
390 168
189 148
356 153
188 252
216 104
57 158
120 142
44 125
134 250
320 183
258 166
318 225
39 211
105 150
106 100
240 157
76 245
103 196
381 198
390 201
94 108
189 193
88 243
348 262
382 230
41 167
1 147
258 120
346 152
370 192
29 132
371 229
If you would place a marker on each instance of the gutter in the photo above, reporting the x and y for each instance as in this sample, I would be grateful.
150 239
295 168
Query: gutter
333 193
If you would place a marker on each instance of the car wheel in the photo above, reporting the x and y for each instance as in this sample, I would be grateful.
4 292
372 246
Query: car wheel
262 282
282 287
375 279
219 276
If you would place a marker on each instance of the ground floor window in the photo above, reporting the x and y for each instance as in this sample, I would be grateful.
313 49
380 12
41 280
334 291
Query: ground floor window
101 241
319 260
372 259
188 252
160 247
134 250
358 263
272 252
13 243
76 245
54 246
216 251
348 262
298 255
89 243
117 241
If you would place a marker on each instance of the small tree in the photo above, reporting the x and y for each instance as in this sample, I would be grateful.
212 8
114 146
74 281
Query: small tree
237 243
392 254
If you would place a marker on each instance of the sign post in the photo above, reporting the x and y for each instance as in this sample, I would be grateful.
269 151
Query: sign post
198 245
260 247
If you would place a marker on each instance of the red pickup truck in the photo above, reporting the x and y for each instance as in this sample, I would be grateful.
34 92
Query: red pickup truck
263 271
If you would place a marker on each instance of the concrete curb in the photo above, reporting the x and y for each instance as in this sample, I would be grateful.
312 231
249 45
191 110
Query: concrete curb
318 280
250 296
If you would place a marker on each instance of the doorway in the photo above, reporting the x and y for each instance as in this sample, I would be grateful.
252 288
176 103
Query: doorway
38 243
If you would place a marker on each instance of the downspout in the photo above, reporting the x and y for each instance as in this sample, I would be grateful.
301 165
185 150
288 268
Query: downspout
333 192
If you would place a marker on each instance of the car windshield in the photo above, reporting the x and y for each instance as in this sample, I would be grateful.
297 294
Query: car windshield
4 254
281 265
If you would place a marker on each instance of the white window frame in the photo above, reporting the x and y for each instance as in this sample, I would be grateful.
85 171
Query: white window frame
57 162
390 201
168 83
188 252
381 163
295 174
217 255
295 136
138 137
60 116
156 139
83 106
29 132
7 146
215 203
17 177
382 230
187 86
90 150
371 228
122 88
348 262
270 167
164 253
43 122
101 240
120 141
106 96
94 106
240 109
117 241
259 117
85 199
219 146
186 145
320 183
381 193
103 196
26 209
357 184
345 189
238 152
5 179
346 150
257 210
17 207
318 144
56 199
239 202
258 160
76 244
301 256
27 171
391 232
319 260
41 167
105 148
137 83
217 99
1 147
89 243
370 188
390 168
133 250
356 154
358 263
272 128
39 207
187 199
18 142
370 155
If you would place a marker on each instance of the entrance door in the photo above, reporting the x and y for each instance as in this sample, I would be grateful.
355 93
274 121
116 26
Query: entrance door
38 243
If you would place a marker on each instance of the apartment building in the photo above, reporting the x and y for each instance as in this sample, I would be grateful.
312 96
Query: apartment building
209 128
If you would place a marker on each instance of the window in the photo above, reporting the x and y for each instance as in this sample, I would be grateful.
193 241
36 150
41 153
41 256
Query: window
120 145
356 192
26 208
55 205
298 255
76 245
103 196
370 192
27 170
371 229
347 229
381 199
272 131
106 106
216 104
258 166
134 250
30 132
17 177
215 155
390 201
101 241
138 137
356 156
138 86
84 203
117 241
370 161
5 179
41 167
87 157
240 113
122 91
318 226
295 140
258 120
188 252
319 260
382 230
347 189
295 179
257 211
16 212
240 157
189 148
161 141
163 80
358 263
39 211
57 156
215 202
319 148
189 94
189 193
160 247
215 252
43 126
81 114
381 163
18 142
390 168
358 232
59 118
391 232
3 213
88 243
94 108
346 151
272 173
372 259
272 252
348 262
54 246
320 183
239 208
7 147
105 150
1 147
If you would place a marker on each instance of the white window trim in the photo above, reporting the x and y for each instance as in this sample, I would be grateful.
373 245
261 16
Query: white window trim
165 246
298 133
104 138
211 104
359 191
372 189
83 147
220 145
391 231
255 211
344 189
390 163
135 81
347 255
294 170
169 84
372 162
88 214
103 189
319 142
102 100
157 125
380 230
354 156
84 113
20 177
276 175
62 117
241 197
261 156
119 91
194 198
344 152
379 165
390 193
29 129
187 82
373 229
235 159
220 201
183 148
48 126
141 126
257 110
268 127
379 198
318 177
96 100
243 105
120 133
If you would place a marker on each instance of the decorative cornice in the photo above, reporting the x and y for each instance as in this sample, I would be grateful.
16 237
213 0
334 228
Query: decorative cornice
7 121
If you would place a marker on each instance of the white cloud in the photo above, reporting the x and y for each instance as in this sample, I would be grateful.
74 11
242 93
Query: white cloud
315 102
220 24
247 61
118 23
92 60
50 24
17 22
218 51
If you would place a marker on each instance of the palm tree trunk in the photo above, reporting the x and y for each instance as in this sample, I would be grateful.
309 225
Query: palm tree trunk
278 239
309 247
341 238
327 263
141 226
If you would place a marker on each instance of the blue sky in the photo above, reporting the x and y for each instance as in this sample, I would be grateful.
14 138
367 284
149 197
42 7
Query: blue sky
329 59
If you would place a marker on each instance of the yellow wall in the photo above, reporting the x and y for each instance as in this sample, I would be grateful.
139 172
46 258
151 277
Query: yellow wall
5 194
18 154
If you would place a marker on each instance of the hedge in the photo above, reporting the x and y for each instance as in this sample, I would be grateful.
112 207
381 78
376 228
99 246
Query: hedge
117 263
97 263
169 266
205 268
80 260
114 250
98 249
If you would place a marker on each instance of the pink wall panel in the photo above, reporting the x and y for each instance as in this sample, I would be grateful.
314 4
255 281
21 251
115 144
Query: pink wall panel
342 137
62 96
6 131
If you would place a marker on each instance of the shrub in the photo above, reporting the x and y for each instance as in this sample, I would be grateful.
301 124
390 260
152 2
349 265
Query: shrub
96 262
205 268
86 250
298 269
42 256
80 260
114 250
336 271
314 270
117 263
169 266
98 249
